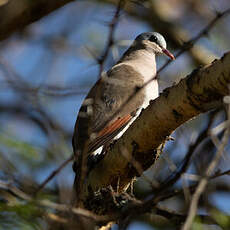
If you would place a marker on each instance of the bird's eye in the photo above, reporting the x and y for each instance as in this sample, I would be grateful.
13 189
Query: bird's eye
153 38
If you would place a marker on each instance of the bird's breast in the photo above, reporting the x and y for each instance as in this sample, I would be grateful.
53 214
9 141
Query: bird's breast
151 92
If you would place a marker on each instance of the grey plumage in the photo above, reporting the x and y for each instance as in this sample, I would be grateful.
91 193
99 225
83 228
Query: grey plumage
110 116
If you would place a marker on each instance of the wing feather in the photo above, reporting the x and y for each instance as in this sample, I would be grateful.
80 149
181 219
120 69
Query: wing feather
109 132
110 112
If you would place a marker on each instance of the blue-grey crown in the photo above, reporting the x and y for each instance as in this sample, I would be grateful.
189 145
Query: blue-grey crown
153 37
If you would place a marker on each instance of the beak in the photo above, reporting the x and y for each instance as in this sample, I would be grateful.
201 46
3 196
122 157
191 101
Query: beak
166 52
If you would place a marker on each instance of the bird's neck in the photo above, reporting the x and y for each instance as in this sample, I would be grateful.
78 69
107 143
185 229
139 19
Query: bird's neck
142 60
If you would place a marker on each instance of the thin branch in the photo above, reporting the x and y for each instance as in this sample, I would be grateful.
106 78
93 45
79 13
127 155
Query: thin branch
189 44
78 211
171 181
53 174
203 182
134 209
49 204
227 172
177 218
110 42
191 188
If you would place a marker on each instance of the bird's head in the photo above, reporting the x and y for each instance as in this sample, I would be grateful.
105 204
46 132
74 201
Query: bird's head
155 42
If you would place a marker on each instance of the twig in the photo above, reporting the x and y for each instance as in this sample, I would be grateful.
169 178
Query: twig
144 207
53 174
56 218
188 45
78 211
49 204
221 174
190 188
203 182
173 179
176 217
110 41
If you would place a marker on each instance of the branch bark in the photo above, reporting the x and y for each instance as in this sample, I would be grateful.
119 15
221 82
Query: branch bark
199 92
15 15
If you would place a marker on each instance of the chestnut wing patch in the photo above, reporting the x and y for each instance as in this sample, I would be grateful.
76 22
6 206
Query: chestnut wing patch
109 132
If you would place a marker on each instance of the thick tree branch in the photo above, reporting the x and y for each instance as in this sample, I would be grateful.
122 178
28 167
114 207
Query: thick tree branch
199 92
15 15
